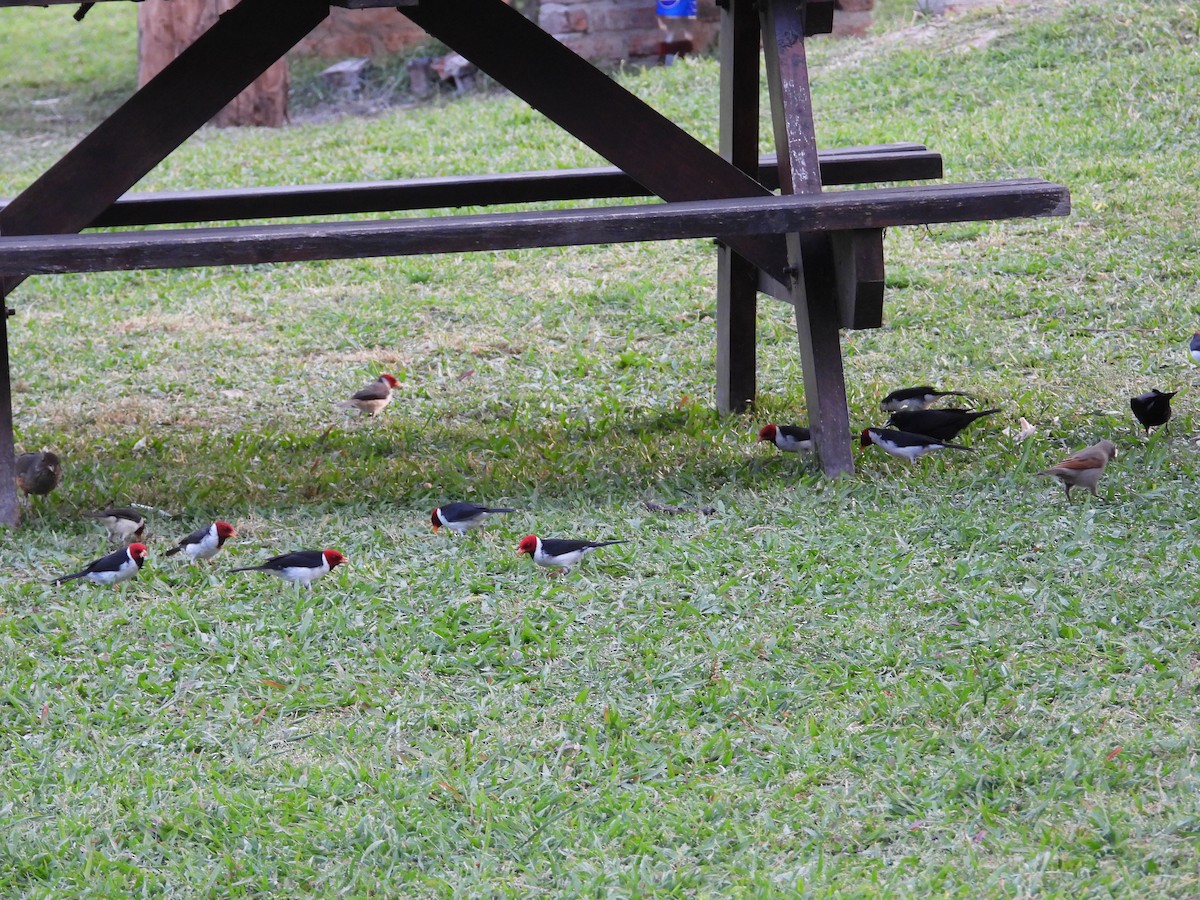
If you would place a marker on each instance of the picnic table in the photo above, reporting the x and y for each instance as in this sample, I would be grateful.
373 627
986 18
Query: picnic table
821 252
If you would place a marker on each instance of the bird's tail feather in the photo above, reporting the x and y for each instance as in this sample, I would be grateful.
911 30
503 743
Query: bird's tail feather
65 578
172 551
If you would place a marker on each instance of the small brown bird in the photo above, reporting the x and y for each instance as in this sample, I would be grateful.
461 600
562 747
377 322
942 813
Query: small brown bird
1085 468
374 397
38 473
121 523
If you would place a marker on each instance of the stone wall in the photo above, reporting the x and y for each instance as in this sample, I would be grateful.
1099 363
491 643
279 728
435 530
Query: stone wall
605 31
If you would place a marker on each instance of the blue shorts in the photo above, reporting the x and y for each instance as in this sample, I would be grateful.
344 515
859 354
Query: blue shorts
682 9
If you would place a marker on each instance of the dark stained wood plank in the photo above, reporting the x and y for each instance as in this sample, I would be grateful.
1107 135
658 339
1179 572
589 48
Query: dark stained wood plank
859 274
737 279
10 510
584 101
162 115
849 166
810 255
802 213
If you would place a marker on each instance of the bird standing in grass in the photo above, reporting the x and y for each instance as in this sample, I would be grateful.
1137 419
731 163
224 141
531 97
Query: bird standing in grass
119 566
462 517
302 567
122 523
788 438
1084 468
38 473
943 424
203 543
559 555
374 397
1194 346
904 445
920 397
1152 408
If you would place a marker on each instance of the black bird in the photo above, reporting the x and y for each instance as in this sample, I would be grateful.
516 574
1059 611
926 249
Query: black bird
943 424
1152 408
461 517
915 398
38 473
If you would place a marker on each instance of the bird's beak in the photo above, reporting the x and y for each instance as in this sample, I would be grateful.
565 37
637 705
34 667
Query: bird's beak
521 552
437 528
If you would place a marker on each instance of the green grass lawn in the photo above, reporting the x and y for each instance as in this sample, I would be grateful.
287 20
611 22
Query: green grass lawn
939 679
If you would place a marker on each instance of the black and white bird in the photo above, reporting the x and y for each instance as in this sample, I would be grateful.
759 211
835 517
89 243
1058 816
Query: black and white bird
119 566
1194 346
904 445
920 397
788 438
560 555
121 523
1152 408
943 424
203 543
372 399
462 517
38 473
302 567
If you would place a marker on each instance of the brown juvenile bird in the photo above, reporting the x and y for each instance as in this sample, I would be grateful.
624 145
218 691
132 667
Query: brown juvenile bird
374 397
1083 469
38 473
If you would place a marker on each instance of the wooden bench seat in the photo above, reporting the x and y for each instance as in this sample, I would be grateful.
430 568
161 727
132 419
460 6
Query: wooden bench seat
838 211
850 165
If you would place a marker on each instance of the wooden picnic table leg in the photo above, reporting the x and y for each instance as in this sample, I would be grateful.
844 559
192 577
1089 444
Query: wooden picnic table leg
814 289
10 511
737 279
192 89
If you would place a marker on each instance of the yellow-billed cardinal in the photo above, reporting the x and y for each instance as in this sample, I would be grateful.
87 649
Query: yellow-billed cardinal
302 567
559 554
203 543
462 517
374 397
788 438
121 523
1083 468
903 444
38 473
943 424
920 397
1152 408
118 566
1194 346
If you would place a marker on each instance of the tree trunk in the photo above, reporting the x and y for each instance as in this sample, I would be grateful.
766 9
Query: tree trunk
165 29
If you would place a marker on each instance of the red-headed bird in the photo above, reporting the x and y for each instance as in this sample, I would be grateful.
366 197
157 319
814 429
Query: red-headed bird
788 438
121 523
302 567
559 554
203 543
119 566
374 397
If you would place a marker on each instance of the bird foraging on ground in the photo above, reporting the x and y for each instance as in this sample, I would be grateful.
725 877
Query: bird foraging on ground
1194 346
559 555
943 424
302 567
38 473
203 543
1152 408
788 438
119 566
904 445
920 397
122 523
462 517
374 397
1083 468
